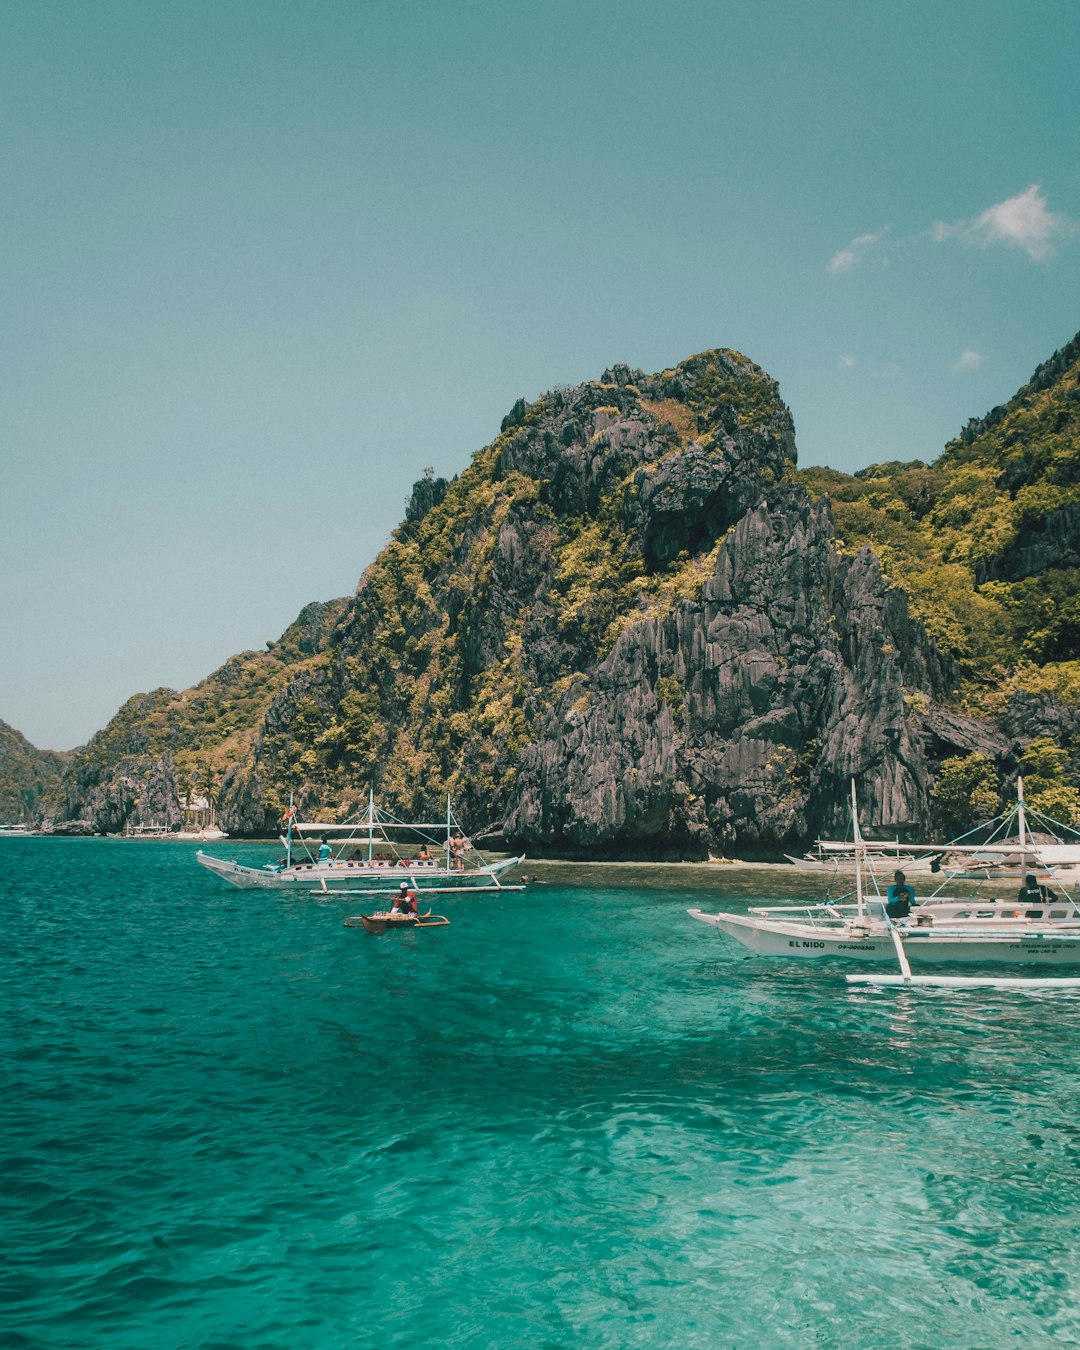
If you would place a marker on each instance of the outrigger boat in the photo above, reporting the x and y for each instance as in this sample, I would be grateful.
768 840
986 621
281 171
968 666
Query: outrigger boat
998 853
384 921
939 930
369 857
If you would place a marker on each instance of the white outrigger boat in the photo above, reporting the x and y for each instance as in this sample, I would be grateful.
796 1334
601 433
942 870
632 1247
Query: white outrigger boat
939 930
369 857
1001 855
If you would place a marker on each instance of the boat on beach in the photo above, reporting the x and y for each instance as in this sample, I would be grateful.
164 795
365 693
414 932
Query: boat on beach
988 930
1007 849
881 858
369 856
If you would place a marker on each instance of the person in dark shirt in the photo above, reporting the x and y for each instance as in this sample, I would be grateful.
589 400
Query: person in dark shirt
1031 893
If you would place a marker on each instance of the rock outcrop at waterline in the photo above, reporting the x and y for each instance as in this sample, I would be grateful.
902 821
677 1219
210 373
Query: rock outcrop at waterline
737 720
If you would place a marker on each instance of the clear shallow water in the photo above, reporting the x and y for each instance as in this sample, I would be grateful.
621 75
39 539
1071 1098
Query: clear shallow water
574 1118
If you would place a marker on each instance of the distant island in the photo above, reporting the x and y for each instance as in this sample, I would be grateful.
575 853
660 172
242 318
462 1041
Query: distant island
633 627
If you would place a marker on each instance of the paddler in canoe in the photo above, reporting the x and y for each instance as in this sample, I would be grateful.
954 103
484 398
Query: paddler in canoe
405 903
403 914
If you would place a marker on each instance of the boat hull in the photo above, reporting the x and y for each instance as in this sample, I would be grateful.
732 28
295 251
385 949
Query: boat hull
873 943
396 923
343 876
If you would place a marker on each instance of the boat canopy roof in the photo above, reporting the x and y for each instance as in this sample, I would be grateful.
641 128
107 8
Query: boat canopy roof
364 827
1059 853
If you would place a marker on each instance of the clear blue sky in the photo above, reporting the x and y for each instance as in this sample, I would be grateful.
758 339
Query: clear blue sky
263 262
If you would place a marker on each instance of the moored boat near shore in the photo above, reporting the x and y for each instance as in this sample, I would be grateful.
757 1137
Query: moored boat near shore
1040 928
1004 848
996 934
369 857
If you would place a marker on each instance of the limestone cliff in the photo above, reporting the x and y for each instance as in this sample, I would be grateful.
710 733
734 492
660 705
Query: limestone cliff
162 744
738 719
30 779
631 627
619 631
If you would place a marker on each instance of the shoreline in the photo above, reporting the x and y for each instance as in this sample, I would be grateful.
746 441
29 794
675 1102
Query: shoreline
731 876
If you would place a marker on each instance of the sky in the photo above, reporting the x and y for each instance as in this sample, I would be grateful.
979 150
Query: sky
262 263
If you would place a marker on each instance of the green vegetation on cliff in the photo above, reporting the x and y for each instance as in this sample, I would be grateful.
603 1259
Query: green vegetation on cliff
506 585
634 568
202 732
30 779
986 539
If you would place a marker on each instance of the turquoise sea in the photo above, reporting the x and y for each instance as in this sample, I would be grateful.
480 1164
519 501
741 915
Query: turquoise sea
573 1118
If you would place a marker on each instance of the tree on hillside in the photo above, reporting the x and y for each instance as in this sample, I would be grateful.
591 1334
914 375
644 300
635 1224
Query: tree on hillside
966 790
207 784
1044 766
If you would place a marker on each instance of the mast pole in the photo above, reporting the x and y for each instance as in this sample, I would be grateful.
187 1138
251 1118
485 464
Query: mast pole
288 834
1020 813
860 902
371 823
1021 817
448 832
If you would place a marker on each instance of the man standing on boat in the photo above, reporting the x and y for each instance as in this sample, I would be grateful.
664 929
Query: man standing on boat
457 851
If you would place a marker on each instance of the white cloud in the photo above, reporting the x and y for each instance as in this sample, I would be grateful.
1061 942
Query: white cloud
1023 221
968 360
846 363
847 258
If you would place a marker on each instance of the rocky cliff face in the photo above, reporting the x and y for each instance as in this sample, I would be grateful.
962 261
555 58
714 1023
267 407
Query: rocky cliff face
30 779
621 631
738 719
630 627
133 771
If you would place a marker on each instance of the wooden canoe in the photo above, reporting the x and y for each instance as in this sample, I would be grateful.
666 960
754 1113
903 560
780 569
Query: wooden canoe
384 922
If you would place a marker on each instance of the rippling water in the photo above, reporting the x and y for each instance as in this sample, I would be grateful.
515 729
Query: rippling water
573 1118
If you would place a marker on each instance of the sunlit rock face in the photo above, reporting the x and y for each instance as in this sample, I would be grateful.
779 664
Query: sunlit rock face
738 719
622 631
627 629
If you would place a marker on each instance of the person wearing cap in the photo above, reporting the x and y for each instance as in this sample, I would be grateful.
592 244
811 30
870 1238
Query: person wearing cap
405 901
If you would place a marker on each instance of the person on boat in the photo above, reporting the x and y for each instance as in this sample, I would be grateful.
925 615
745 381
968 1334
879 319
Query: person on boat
422 854
899 898
405 901
1031 893
324 849
457 851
